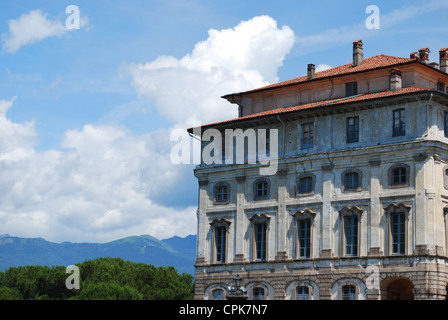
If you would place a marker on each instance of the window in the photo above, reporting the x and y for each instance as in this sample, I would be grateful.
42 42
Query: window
220 244
352 129
222 191
398 233
351 180
351 235
398 176
445 123
307 135
261 189
306 184
260 241
349 292
397 215
445 177
304 230
399 128
304 235
351 89
219 236
441 86
258 293
302 293
218 294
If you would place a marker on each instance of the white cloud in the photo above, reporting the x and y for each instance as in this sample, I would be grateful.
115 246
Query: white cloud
229 60
108 183
33 27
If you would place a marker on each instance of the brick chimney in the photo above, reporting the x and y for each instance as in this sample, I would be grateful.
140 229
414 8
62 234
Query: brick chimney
395 79
358 54
443 62
414 55
311 71
424 55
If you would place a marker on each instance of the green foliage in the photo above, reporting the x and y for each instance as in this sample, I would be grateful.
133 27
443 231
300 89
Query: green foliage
100 279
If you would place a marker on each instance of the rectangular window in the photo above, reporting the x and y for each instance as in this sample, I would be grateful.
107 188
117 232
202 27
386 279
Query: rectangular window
302 293
352 129
440 86
351 235
351 89
307 135
351 180
445 123
399 128
348 292
221 194
304 238
260 241
262 189
399 176
220 244
306 185
398 233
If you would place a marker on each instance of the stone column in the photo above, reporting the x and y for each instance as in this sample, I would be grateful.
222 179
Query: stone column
240 221
202 223
281 216
375 210
326 218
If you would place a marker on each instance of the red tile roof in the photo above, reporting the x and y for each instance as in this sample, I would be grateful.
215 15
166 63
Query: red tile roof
375 62
326 103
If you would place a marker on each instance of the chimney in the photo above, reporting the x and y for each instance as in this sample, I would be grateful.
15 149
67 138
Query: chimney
395 79
414 55
311 71
424 55
358 54
443 62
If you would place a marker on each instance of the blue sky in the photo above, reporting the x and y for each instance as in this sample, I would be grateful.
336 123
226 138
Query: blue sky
86 114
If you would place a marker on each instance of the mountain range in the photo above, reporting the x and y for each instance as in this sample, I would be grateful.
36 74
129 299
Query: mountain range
177 252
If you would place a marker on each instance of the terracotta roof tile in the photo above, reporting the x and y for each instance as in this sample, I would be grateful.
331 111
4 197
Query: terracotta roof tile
361 97
375 62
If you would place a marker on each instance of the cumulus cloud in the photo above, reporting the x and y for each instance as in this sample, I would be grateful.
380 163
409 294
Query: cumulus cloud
231 60
106 182
32 27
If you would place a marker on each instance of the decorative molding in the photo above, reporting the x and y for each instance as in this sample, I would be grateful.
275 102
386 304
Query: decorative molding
394 207
303 213
220 223
259 217
420 157
351 210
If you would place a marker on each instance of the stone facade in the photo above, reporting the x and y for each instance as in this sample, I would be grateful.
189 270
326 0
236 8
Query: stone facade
358 213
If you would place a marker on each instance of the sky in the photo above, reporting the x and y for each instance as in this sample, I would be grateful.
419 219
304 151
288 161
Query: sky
90 92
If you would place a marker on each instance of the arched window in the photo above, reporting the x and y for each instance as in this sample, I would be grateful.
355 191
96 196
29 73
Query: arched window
348 292
218 294
302 293
305 184
351 180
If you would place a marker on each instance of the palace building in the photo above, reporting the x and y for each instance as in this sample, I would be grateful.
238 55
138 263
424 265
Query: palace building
357 207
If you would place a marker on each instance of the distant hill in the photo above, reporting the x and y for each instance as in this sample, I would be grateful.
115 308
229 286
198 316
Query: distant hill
177 252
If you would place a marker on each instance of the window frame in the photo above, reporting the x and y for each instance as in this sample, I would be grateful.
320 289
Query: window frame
393 210
350 212
313 183
399 130
352 130
307 142
308 294
220 224
358 188
215 193
257 221
299 217
445 123
391 175
351 88
268 189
